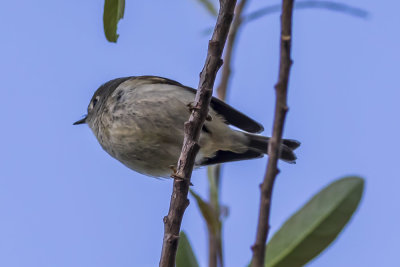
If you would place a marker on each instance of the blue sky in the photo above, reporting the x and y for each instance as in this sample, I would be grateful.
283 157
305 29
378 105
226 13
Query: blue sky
65 202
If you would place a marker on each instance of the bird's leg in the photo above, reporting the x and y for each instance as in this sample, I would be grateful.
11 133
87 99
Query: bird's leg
176 177
192 106
173 168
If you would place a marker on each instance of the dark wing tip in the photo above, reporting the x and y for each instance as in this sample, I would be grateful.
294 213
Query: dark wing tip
287 154
291 143
235 117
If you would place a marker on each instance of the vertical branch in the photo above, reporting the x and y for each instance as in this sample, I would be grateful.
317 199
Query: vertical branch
226 70
179 200
281 108
215 255
215 237
213 249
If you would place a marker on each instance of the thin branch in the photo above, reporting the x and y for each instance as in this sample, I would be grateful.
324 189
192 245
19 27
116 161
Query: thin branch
329 5
226 70
281 108
179 200
215 255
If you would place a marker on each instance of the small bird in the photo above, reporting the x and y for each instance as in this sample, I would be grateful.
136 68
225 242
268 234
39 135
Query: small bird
140 120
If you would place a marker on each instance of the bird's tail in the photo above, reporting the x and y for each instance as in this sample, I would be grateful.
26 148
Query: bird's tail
260 143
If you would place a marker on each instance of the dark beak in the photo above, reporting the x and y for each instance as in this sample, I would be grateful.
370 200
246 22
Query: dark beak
81 121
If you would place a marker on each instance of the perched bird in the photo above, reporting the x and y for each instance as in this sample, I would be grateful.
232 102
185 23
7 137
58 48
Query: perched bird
139 121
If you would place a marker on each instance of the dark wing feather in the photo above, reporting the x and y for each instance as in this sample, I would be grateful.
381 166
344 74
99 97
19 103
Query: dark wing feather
235 117
228 156
231 115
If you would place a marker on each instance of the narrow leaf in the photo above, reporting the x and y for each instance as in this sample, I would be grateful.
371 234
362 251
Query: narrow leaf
113 12
209 6
208 213
311 229
185 256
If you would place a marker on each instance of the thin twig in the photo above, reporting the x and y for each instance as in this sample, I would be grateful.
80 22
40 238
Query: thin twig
328 5
308 4
227 69
215 237
179 200
281 108
215 255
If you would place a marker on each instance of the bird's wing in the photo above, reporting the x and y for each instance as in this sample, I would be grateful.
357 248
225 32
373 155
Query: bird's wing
235 117
231 115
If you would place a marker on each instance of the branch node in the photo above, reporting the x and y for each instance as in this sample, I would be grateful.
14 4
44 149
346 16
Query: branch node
285 108
172 238
215 49
254 247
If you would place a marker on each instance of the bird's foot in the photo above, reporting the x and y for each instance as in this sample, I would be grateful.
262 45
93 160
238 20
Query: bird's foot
175 176
173 168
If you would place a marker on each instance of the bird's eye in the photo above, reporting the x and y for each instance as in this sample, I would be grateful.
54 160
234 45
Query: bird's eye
95 101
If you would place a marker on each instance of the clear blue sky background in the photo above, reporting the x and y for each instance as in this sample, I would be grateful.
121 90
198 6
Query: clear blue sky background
65 202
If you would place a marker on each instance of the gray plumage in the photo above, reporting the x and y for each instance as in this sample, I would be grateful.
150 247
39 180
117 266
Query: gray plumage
139 121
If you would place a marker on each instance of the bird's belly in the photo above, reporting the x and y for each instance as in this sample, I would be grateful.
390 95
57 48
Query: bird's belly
145 153
152 152
143 167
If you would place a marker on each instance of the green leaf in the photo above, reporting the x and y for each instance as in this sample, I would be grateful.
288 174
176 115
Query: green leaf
185 256
208 213
113 12
209 6
311 229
